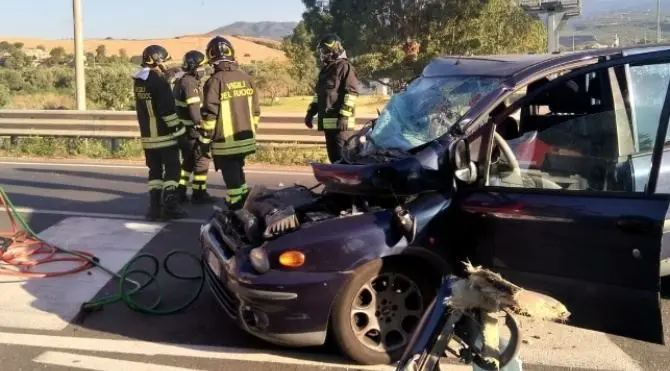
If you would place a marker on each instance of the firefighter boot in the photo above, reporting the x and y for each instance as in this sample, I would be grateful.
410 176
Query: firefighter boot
181 193
154 210
171 208
201 197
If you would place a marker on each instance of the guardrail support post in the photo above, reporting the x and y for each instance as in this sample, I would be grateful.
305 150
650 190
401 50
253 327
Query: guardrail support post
114 145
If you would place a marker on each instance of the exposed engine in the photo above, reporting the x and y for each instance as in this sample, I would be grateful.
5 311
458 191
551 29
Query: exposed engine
269 213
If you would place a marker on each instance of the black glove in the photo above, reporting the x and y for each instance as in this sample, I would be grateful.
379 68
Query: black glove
192 133
204 147
308 121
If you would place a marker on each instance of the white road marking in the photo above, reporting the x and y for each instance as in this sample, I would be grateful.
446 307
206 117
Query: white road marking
29 210
173 350
139 167
51 303
71 361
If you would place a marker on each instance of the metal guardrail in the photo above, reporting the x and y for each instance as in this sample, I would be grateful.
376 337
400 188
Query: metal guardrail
278 128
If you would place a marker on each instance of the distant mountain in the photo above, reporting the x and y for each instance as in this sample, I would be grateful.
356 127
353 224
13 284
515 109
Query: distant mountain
268 30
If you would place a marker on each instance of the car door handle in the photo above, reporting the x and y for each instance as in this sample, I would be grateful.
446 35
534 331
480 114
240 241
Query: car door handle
636 224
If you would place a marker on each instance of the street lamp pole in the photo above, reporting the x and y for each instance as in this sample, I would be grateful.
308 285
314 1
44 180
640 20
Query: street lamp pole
80 81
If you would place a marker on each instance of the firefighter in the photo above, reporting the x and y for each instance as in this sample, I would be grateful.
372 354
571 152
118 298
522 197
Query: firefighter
335 99
231 113
161 131
195 152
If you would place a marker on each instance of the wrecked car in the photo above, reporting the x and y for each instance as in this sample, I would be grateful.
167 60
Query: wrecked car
548 169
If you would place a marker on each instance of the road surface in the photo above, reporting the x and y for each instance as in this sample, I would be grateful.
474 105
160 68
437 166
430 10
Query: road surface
99 208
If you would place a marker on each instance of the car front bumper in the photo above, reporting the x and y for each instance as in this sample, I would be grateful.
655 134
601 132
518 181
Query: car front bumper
289 308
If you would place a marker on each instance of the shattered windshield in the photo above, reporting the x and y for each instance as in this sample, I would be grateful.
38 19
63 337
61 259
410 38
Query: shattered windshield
427 109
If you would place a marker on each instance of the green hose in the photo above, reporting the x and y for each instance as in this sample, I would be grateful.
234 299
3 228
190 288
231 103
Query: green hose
124 294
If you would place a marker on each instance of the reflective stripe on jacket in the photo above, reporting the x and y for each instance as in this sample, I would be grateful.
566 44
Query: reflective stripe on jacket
335 99
231 110
154 105
188 100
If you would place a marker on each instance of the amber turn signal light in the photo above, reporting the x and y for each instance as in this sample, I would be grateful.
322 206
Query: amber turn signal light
292 259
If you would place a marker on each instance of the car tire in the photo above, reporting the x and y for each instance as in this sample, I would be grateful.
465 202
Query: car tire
343 318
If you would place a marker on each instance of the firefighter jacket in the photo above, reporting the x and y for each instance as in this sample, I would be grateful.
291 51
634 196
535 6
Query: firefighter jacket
231 110
335 99
154 104
188 100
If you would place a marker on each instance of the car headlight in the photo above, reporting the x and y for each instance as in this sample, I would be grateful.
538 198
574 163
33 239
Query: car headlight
259 260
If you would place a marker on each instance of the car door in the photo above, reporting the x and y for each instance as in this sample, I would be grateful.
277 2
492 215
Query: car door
576 224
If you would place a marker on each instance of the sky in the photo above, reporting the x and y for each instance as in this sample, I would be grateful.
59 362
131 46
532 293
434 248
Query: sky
139 19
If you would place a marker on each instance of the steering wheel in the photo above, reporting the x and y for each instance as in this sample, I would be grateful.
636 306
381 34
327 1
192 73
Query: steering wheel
507 152
516 174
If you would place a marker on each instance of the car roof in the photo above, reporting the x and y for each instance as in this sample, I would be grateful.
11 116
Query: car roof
510 65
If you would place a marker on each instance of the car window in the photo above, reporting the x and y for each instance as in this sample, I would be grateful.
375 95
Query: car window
577 136
648 85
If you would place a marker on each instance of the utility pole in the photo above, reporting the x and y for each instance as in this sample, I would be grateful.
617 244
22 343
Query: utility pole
658 21
80 82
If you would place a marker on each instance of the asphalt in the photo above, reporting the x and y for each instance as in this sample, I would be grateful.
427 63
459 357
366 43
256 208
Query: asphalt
48 194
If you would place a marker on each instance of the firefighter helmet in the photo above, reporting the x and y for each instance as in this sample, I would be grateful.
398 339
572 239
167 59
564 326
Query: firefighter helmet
193 60
220 49
330 47
155 55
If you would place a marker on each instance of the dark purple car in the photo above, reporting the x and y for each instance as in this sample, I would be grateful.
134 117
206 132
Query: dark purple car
549 169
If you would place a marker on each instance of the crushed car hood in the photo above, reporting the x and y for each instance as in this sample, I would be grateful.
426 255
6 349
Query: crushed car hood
405 176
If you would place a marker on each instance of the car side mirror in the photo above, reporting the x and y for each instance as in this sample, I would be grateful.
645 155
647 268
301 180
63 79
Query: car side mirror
464 169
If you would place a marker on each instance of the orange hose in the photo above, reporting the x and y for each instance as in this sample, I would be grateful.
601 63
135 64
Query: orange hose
24 251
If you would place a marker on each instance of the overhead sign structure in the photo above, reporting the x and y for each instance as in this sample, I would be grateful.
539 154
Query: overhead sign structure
558 12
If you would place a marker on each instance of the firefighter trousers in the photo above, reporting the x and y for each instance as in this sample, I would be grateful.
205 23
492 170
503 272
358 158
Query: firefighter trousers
335 140
232 169
195 164
163 164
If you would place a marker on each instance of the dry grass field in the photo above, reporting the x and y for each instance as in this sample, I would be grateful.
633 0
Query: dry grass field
246 50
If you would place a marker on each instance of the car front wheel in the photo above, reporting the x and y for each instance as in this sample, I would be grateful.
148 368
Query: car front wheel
376 312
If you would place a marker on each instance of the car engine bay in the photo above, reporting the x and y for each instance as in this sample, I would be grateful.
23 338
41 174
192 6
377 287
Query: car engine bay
271 213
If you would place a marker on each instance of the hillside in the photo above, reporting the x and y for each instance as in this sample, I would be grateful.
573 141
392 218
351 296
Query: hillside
266 30
632 21
246 50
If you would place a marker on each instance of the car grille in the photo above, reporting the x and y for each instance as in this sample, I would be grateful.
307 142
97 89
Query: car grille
225 297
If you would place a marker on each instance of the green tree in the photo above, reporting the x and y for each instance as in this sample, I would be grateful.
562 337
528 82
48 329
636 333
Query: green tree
56 56
271 78
5 96
101 54
111 88
299 51
90 58
13 80
396 38
6 47
42 47
123 55
17 60
19 45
